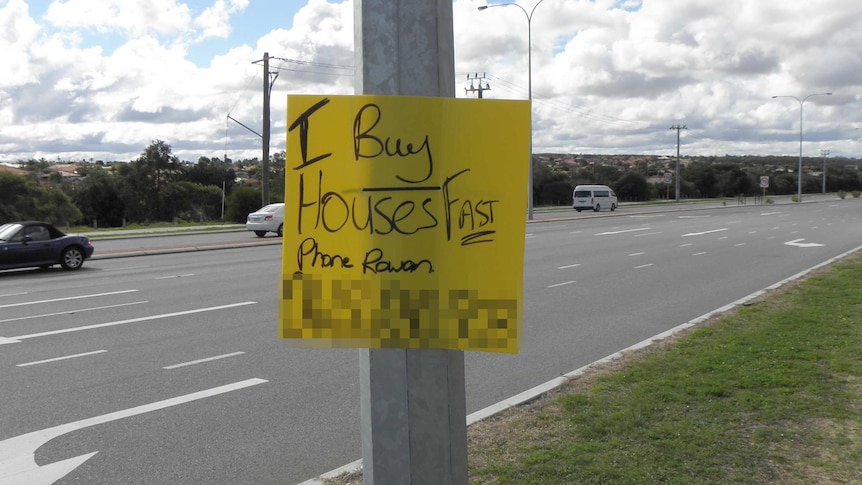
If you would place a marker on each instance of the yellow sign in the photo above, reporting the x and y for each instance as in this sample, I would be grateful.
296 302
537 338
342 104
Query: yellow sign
404 222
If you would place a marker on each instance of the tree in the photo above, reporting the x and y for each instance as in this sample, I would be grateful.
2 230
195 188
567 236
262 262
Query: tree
99 199
632 186
190 201
144 178
22 199
242 202
211 172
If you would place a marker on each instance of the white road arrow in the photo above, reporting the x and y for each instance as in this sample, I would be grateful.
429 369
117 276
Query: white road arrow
798 243
18 455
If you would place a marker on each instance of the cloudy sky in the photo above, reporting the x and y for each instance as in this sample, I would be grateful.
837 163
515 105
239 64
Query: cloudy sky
102 79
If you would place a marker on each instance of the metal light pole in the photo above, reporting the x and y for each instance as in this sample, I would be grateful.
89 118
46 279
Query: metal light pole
824 154
801 102
529 93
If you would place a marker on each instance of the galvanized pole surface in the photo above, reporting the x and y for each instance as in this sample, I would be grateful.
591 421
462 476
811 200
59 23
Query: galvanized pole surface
412 402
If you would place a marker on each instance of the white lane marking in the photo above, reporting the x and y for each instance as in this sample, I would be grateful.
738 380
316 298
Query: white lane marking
18 465
637 254
794 232
13 294
569 266
561 284
643 266
686 244
7 340
201 361
174 276
529 236
56 359
609 233
70 312
575 232
646 216
648 234
95 295
722 238
699 254
739 244
704 232
798 243
127 267
692 217
769 213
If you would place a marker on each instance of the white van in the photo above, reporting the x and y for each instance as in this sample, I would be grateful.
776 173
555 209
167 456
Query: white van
595 197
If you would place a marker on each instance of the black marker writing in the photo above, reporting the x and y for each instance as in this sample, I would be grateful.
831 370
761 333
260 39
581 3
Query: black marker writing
368 145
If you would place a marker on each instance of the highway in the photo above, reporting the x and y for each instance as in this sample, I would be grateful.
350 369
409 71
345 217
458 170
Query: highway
165 368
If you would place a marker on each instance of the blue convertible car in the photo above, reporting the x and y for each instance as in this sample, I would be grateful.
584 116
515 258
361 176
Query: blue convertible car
40 244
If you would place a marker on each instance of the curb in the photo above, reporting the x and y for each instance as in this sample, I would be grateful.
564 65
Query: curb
180 249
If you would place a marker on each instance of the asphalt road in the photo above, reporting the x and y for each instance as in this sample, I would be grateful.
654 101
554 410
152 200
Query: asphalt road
168 369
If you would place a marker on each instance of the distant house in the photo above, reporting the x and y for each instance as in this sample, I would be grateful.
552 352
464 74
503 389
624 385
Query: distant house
12 170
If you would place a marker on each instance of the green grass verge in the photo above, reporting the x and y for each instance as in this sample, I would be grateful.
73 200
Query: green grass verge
768 393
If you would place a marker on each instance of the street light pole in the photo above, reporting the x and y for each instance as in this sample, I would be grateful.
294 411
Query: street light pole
529 93
824 154
799 174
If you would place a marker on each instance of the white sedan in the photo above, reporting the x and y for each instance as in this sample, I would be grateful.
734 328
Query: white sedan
269 218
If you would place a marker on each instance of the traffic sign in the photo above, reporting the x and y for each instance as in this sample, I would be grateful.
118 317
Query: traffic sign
764 181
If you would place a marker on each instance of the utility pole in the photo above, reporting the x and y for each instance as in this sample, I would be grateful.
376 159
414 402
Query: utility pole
482 84
264 179
678 128
824 154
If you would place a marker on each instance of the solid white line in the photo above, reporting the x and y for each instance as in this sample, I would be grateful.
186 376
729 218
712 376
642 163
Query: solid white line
131 320
643 266
67 298
699 254
637 254
704 232
201 361
610 233
61 358
174 276
739 244
569 266
561 284
686 244
13 294
72 311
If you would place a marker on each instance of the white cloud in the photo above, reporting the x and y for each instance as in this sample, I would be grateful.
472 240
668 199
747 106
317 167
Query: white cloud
608 76
215 20
130 17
